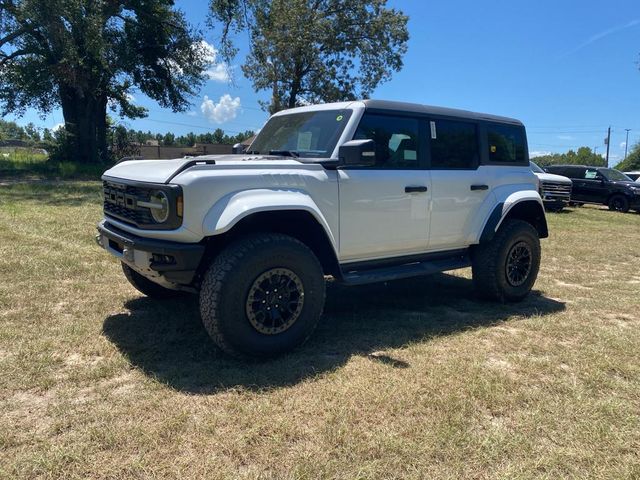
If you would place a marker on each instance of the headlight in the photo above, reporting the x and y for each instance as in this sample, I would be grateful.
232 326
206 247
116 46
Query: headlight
159 206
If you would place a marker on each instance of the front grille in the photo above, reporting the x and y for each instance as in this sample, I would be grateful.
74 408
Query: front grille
556 191
120 202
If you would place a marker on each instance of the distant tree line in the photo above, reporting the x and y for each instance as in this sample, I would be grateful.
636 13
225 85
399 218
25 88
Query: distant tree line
583 156
120 140
188 140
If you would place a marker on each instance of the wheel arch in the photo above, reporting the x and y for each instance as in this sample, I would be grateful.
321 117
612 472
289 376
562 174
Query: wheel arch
298 223
527 208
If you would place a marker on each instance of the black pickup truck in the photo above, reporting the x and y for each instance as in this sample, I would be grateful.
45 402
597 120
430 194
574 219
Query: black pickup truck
600 185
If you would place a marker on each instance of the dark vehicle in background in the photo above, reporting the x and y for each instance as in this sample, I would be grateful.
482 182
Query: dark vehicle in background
600 185
555 190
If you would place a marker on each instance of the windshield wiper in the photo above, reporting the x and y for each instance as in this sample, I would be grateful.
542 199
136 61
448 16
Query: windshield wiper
285 153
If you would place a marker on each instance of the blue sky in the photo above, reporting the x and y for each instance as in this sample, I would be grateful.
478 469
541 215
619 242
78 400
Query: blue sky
568 69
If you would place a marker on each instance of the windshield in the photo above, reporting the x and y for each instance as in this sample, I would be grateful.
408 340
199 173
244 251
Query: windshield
536 168
308 134
614 175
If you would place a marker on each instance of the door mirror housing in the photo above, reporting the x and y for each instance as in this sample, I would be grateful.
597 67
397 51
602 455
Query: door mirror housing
361 153
239 148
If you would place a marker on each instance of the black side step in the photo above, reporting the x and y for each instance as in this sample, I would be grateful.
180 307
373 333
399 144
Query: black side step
415 269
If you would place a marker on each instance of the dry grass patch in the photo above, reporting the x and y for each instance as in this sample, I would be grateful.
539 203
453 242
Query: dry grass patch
412 379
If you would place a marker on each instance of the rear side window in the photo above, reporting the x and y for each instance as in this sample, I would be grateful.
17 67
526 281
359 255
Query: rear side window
395 138
454 144
506 144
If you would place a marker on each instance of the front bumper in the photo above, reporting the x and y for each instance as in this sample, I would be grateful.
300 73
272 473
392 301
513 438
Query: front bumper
159 260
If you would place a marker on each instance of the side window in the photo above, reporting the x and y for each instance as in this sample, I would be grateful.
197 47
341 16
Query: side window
396 139
592 174
573 172
506 144
453 144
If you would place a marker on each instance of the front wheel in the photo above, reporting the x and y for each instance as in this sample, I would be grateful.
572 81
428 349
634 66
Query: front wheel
262 296
506 268
619 203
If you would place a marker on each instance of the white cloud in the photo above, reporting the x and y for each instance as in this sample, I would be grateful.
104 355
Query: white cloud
223 111
130 97
218 72
623 144
564 137
192 113
538 153
57 127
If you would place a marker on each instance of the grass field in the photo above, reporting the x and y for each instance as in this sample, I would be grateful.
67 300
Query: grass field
414 379
26 163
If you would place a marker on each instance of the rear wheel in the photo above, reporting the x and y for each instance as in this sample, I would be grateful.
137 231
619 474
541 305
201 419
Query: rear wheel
146 286
506 268
262 296
618 203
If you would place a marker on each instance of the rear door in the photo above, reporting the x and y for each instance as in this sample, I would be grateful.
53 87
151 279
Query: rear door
459 186
580 188
384 209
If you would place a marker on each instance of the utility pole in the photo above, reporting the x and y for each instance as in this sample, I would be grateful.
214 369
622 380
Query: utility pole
595 150
608 141
626 143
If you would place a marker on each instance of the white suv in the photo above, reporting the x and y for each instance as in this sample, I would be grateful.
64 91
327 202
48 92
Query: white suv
555 190
364 191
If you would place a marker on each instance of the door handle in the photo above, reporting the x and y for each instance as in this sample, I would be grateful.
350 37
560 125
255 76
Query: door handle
479 187
416 189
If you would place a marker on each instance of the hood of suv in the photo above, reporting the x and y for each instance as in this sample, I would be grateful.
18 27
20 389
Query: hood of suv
162 171
551 177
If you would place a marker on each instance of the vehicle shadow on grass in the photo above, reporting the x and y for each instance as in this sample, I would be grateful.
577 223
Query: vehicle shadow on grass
167 341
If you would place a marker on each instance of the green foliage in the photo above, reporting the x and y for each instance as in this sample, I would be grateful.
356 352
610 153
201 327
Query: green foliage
171 140
308 51
86 55
632 162
13 131
584 156
67 169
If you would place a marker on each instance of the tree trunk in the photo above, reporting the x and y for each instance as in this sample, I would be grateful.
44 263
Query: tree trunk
85 123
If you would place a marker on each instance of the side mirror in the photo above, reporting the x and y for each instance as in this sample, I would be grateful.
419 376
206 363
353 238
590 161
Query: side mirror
361 153
239 148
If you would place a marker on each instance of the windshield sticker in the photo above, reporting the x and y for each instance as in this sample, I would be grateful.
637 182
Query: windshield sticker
339 118
433 130
304 140
590 174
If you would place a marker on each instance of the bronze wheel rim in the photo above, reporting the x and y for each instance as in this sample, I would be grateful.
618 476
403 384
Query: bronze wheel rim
275 301
518 266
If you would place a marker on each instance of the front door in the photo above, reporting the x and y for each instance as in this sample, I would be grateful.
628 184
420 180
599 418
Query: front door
384 209
593 186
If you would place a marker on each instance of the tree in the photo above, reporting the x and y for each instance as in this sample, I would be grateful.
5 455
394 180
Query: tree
218 136
310 51
632 162
584 156
87 55
169 139
32 132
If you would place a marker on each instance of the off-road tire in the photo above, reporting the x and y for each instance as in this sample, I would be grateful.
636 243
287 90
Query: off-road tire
618 203
226 289
490 262
146 286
